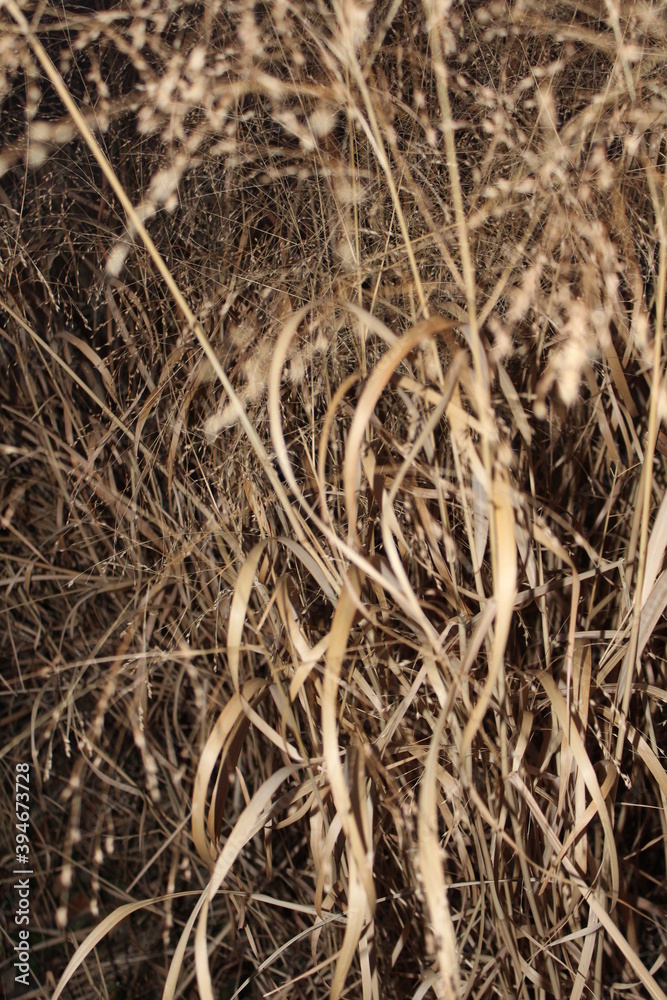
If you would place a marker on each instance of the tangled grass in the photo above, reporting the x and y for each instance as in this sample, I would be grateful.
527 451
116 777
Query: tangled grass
332 497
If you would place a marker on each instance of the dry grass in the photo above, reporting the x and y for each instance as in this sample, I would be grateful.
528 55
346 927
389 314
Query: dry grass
332 496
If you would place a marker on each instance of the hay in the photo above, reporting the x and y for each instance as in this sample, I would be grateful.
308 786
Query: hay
332 518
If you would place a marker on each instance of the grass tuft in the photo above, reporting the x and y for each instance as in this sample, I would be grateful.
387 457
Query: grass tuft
332 516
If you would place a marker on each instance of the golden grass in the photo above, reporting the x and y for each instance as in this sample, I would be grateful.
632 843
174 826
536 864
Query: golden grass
332 498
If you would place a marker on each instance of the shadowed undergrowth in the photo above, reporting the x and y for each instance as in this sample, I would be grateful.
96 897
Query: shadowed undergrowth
332 518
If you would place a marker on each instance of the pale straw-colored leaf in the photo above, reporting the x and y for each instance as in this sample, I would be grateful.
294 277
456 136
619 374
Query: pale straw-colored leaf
655 551
375 385
100 932
251 820
504 587
587 770
356 915
340 631
238 610
229 723
432 874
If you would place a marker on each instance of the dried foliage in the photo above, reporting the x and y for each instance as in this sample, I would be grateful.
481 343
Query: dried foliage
332 496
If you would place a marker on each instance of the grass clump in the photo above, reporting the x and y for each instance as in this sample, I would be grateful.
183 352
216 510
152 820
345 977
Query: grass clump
332 503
